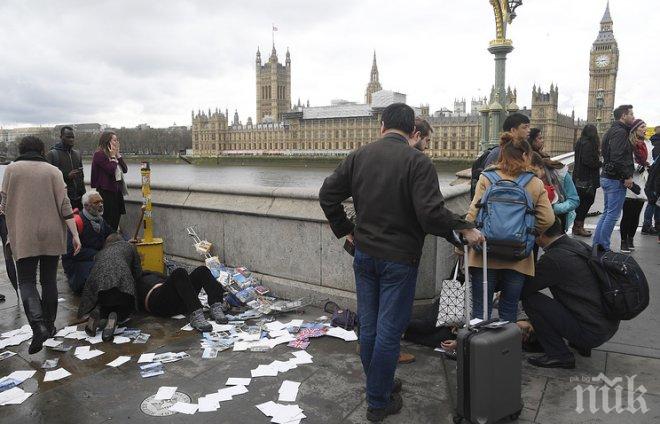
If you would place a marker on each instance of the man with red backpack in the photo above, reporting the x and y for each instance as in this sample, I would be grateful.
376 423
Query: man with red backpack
93 230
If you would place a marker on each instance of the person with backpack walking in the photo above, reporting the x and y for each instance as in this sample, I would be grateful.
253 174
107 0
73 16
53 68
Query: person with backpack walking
635 196
617 173
575 311
585 175
68 160
509 205
397 201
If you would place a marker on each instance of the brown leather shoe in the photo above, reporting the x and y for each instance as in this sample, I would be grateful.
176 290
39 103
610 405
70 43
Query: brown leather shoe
406 358
579 230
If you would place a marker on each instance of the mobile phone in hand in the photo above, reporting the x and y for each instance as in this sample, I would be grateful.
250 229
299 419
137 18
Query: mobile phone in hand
349 247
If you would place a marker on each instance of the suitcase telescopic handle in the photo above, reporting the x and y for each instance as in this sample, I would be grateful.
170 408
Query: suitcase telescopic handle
468 287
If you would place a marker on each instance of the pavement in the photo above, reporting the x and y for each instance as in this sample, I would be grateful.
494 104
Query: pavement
332 389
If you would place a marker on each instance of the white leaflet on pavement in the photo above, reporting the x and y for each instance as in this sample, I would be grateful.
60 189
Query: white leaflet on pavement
187 327
274 326
348 336
119 361
207 404
121 340
180 316
235 381
165 393
52 343
184 408
288 391
146 357
58 374
263 371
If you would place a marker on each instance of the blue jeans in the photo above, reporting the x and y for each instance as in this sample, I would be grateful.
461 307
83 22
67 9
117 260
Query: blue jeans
510 283
651 212
615 195
77 274
385 294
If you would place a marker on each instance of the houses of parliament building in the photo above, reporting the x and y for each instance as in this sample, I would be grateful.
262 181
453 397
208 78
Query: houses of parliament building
281 128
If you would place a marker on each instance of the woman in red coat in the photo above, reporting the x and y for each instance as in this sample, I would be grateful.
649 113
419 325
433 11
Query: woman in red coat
107 178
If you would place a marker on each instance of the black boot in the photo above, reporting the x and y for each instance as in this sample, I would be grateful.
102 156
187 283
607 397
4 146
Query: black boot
36 319
631 243
50 313
624 245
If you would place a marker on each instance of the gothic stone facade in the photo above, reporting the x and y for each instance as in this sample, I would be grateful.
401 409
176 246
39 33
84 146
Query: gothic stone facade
342 127
603 68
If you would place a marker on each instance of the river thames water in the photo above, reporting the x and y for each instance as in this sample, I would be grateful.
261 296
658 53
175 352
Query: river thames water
247 175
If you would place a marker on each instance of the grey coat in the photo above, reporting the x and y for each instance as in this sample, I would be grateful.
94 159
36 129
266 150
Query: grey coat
116 266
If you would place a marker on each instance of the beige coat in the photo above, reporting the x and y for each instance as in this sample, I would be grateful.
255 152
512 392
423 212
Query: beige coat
36 205
544 219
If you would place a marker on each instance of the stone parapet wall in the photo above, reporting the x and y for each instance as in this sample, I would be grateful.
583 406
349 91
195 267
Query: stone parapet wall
279 233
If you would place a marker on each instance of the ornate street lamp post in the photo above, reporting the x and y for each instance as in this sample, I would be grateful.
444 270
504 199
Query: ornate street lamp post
493 115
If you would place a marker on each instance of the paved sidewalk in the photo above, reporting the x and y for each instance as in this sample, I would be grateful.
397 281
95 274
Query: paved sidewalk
332 387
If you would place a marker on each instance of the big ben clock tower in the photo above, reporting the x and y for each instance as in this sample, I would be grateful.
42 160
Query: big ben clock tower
603 67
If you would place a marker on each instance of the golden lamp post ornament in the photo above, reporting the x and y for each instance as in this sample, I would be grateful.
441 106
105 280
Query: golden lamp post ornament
493 115
150 248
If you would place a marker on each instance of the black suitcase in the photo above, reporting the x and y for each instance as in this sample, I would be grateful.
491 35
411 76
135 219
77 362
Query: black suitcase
489 360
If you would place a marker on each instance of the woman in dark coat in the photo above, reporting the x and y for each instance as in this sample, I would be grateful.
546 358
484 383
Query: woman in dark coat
107 178
109 292
586 175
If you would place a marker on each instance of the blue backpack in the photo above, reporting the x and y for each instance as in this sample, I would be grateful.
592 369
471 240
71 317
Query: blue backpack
506 217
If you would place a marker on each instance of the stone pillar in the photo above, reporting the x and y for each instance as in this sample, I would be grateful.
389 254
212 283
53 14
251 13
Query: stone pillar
500 50
484 136
496 120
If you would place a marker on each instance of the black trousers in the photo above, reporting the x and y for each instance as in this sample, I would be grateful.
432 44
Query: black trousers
114 300
553 323
632 209
179 293
27 279
586 200
113 207
9 261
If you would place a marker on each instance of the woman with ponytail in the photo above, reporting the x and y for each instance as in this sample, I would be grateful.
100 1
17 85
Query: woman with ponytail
515 159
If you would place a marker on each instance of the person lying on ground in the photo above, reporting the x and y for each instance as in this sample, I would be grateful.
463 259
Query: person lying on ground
575 311
179 294
109 293
92 238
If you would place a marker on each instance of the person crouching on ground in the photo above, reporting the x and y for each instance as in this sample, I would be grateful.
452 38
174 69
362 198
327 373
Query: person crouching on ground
92 238
109 293
179 294
575 311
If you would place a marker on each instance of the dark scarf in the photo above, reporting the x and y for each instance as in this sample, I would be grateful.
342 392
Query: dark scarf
33 156
95 220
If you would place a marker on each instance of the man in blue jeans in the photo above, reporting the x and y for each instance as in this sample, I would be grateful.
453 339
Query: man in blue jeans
616 176
397 202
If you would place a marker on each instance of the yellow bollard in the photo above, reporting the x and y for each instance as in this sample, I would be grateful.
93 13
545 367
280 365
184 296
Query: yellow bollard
150 249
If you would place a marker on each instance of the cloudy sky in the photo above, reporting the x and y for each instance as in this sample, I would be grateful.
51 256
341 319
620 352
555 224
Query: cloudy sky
125 62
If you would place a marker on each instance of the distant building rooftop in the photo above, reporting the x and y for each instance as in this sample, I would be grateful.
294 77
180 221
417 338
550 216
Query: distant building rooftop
337 111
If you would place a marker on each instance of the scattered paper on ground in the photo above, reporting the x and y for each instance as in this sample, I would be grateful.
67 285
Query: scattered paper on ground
184 408
165 393
119 361
288 391
58 374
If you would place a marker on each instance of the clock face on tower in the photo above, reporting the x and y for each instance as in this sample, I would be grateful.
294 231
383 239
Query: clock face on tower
602 60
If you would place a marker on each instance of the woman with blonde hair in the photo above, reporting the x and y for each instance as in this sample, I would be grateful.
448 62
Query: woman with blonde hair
515 160
108 168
